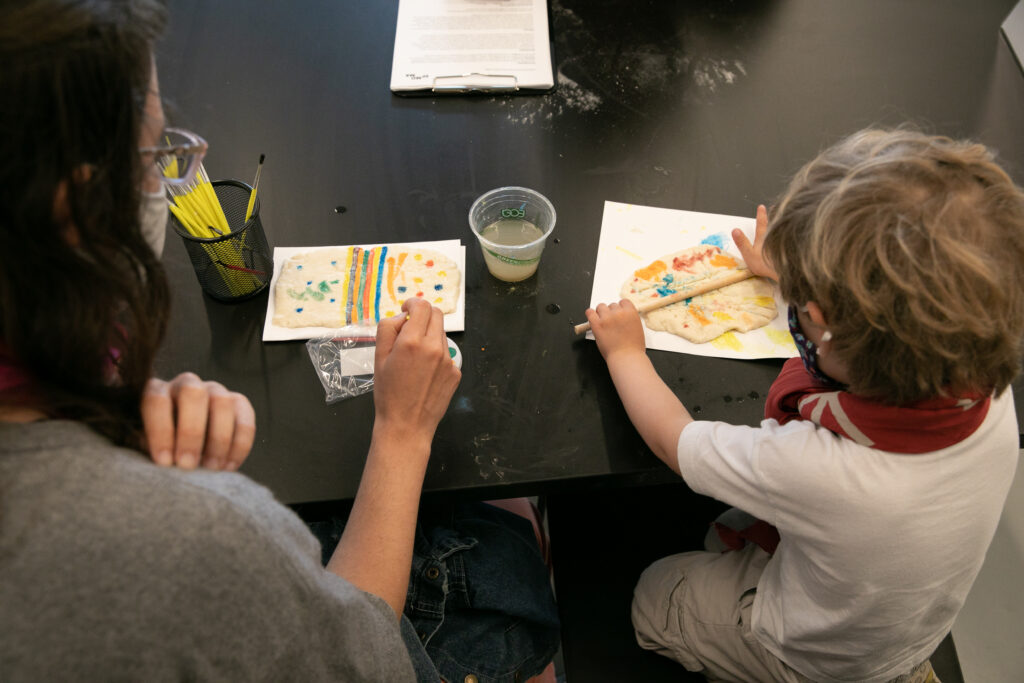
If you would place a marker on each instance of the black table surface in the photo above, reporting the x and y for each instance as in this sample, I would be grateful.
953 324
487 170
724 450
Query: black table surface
704 106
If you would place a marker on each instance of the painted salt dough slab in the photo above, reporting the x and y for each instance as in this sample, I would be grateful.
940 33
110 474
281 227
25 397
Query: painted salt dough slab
453 322
632 236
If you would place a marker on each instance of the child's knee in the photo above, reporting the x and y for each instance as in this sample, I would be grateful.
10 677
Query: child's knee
657 610
658 595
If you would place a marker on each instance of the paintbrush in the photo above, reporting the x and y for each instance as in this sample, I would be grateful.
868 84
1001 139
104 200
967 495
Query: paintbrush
255 188
692 289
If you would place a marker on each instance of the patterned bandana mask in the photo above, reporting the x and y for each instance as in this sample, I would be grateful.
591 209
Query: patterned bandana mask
808 350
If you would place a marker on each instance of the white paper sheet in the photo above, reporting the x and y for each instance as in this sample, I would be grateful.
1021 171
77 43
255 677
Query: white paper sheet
453 322
633 236
471 42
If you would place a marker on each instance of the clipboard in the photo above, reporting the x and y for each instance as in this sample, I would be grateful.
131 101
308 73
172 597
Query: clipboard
475 82
445 47
1013 31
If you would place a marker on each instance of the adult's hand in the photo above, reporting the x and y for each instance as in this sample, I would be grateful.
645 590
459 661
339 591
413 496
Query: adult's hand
189 422
414 377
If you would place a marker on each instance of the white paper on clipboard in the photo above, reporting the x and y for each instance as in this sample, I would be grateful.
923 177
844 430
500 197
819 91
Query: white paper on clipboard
471 45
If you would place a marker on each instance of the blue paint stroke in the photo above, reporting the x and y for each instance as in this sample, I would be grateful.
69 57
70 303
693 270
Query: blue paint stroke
716 240
354 251
380 277
361 314
665 291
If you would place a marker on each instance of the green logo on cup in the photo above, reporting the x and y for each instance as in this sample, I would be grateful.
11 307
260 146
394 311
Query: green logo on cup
513 213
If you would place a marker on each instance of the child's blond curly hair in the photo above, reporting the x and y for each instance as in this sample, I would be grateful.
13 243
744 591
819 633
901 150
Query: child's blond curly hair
913 246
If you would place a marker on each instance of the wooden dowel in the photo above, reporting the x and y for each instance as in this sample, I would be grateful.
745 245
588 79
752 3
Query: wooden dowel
691 290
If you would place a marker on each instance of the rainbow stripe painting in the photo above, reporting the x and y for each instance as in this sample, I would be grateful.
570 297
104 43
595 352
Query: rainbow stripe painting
340 286
361 291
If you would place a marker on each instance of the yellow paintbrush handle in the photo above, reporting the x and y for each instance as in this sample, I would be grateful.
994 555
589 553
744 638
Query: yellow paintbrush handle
187 221
252 203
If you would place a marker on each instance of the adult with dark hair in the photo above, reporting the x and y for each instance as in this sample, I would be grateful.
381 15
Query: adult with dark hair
112 567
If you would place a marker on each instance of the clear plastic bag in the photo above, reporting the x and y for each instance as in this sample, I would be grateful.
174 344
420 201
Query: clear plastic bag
344 362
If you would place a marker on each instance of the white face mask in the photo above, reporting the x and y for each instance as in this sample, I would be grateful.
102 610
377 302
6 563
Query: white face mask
153 220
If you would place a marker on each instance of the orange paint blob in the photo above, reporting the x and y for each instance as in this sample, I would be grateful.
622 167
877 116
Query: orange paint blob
723 261
699 316
651 271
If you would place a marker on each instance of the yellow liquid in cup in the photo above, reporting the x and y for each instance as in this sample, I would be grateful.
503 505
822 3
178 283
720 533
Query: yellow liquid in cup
512 232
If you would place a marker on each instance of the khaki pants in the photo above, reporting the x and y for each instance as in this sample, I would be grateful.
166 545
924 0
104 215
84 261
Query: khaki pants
695 608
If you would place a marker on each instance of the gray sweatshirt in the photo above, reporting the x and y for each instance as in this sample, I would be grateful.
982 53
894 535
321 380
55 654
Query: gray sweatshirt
114 569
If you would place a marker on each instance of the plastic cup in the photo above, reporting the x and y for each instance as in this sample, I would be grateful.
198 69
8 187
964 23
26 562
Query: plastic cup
512 224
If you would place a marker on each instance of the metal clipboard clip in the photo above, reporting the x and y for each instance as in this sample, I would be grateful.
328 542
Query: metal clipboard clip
476 82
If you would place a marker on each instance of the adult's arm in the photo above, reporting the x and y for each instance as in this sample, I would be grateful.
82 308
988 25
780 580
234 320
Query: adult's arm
414 379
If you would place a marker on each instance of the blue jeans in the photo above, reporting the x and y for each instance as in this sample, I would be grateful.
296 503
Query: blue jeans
480 600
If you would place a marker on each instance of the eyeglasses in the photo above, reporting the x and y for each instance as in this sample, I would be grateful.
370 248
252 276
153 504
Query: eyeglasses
178 159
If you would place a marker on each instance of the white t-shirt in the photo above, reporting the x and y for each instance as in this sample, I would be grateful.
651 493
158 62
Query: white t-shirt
878 549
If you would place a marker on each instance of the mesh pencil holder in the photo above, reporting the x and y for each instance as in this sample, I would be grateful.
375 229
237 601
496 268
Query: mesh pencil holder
238 265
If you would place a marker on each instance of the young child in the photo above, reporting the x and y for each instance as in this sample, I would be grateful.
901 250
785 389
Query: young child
888 448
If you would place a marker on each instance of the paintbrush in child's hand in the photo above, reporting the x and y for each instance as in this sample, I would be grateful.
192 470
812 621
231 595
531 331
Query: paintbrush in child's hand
691 289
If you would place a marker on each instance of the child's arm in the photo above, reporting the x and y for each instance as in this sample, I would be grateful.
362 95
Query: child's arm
652 407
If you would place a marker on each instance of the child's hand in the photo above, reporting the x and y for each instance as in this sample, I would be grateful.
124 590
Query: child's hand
753 254
617 329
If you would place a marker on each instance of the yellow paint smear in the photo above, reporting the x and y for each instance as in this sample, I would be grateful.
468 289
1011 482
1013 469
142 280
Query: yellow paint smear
765 301
727 341
723 261
779 337
627 252
651 271
723 317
